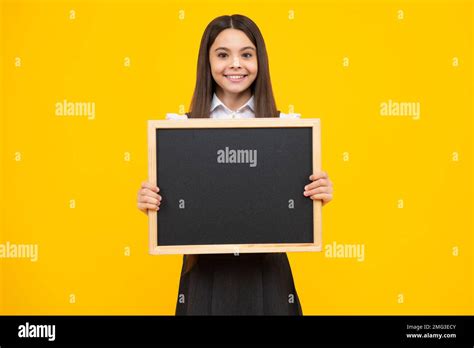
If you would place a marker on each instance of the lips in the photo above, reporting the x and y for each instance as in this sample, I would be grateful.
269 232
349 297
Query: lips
236 77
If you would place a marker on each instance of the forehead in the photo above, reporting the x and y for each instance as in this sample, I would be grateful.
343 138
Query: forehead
232 39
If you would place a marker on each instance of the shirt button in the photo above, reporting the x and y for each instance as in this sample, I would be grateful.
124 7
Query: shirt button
233 115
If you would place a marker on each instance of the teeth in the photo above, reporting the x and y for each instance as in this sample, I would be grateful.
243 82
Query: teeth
235 77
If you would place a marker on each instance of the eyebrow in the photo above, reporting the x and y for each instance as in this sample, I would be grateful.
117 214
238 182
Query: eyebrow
242 49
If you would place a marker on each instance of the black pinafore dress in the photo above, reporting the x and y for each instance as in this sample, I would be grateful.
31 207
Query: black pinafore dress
247 284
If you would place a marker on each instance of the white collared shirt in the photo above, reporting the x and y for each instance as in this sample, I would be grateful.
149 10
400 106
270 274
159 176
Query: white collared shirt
221 111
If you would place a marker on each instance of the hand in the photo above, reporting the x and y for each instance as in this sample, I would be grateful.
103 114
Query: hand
148 197
320 188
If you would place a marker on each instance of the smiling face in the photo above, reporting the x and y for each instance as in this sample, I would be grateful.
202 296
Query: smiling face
233 60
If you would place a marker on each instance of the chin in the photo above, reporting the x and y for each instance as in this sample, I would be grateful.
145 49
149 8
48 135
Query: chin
239 89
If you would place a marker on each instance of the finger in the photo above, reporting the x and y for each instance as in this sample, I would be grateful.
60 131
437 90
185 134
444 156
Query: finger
319 189
318 175
317 183
143 206
149 185
322 196
150 193
323 189
146 199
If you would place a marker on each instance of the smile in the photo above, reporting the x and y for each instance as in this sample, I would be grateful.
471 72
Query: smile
235 78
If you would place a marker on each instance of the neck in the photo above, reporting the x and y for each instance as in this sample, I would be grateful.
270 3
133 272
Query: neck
233 100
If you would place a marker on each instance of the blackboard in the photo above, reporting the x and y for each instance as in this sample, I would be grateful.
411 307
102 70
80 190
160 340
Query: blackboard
234 186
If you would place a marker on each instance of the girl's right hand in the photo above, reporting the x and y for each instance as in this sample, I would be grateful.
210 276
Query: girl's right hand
148 197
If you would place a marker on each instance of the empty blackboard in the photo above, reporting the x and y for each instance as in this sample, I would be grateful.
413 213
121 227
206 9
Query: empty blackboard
234 186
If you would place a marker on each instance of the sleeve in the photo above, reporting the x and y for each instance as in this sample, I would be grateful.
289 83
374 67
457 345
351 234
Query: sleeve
170 116
282 115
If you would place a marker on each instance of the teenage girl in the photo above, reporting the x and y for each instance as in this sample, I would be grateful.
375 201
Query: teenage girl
233 81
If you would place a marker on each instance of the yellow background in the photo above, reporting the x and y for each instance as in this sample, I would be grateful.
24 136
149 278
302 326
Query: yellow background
409 266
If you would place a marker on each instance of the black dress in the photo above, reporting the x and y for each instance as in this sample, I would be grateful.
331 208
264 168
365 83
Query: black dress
248 284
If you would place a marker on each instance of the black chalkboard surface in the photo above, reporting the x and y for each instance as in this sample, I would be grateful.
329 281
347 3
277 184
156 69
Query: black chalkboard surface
233 186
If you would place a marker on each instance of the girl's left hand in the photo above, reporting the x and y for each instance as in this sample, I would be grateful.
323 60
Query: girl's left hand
320 188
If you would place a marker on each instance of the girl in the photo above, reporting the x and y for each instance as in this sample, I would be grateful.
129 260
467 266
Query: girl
233 81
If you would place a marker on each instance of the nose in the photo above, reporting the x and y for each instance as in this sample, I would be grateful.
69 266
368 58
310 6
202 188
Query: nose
236 62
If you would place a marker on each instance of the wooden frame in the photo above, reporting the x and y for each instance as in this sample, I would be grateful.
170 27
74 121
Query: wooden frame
154 248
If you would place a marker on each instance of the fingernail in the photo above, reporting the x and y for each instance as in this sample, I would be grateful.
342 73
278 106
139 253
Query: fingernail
159 198
305 193
306 187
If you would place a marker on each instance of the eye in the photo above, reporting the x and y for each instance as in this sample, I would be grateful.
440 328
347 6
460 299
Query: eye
220 55
247 55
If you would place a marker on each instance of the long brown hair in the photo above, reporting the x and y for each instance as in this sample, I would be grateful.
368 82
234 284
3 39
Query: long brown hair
262 91
264 101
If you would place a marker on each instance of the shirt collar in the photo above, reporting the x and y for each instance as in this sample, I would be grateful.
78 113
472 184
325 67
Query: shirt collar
217 102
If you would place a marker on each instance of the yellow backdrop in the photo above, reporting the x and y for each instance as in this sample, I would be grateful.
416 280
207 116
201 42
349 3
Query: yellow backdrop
391 82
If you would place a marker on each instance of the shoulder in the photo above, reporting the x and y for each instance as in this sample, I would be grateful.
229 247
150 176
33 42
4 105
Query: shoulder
170 116
282 115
